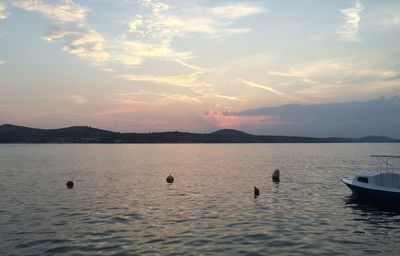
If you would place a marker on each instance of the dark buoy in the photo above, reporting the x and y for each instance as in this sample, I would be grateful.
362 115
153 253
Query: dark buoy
170 179
70 184
256 192
275 176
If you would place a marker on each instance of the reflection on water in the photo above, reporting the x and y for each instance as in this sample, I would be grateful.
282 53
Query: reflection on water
380 221
376 212
122 205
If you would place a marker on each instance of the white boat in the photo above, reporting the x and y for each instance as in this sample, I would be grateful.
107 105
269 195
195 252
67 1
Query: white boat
380 186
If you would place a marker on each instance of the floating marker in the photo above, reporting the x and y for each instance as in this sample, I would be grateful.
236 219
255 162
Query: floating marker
275 175
170 179
70 184
256 192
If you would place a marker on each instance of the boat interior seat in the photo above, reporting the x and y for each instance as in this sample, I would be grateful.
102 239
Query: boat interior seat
388 180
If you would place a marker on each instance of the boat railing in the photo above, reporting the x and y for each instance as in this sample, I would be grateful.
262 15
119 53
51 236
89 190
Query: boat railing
383 162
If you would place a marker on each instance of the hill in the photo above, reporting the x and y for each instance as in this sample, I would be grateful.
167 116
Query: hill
84 134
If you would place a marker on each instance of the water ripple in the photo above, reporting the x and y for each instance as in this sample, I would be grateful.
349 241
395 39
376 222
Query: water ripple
121 205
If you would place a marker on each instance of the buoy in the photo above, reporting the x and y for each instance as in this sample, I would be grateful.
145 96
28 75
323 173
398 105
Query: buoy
256 192
170 179
70 184
275 175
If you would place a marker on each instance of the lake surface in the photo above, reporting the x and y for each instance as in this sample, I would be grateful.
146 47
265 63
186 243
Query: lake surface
121 204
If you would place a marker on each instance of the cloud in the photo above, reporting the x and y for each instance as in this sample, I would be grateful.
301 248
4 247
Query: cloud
202 90
2 62
165 22
237 11
309 81
71 28
332 70
228 97
209 26
391 20
231 120
86 44
256 85
268 88
328 79
147 97
59 11
77 99
3 10
174 96
155 30
348 119
314 68
393 77
133 52
150 34
289 73
350 30
189 81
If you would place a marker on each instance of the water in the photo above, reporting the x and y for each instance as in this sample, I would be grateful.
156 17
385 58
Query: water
121 204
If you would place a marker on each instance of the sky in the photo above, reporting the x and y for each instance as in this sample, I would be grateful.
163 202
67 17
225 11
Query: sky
199 65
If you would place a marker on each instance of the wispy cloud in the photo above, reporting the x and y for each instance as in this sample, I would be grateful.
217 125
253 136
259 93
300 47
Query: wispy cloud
334 69
393 77
3 10
156 30
77 99
329 78
150 34
201 91
177 80
153 34
165 22
71 28
173 96
2 62
189 81
133 52
289 73
311 72
156 98
237 10
59 11
87 44
309 81
228 97
268 88
256 85
109 69
232 120
390 20
350 29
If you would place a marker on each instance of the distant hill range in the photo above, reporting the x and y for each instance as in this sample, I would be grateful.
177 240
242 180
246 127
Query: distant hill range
84 134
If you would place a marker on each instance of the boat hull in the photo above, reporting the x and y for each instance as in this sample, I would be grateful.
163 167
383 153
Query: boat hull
375 195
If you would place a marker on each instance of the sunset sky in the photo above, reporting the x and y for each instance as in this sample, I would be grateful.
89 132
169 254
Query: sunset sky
195 65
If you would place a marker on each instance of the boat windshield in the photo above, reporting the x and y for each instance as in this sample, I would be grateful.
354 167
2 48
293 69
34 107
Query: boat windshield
383 161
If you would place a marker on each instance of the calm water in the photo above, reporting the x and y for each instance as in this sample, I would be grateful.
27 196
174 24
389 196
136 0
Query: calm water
121 204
